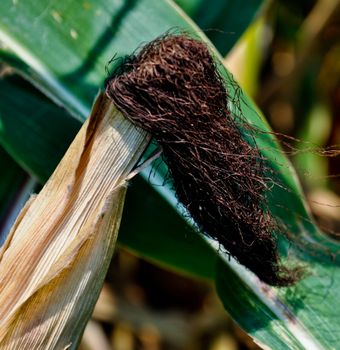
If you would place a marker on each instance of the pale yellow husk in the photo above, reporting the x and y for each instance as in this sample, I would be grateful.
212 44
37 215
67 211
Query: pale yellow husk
54 262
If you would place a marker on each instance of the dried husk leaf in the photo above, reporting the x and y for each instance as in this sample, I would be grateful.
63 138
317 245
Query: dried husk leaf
54 261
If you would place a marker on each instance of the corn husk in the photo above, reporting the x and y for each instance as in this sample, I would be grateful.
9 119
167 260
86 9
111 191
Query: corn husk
53 264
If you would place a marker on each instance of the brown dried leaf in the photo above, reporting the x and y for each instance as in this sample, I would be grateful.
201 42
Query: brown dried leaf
55 259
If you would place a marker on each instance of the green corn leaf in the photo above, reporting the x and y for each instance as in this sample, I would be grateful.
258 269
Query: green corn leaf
33 130
221 20
12 178
63 48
